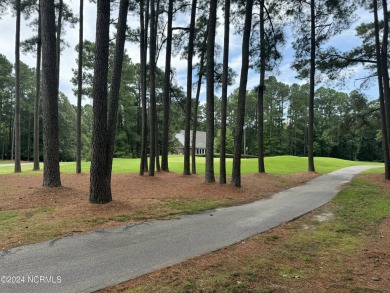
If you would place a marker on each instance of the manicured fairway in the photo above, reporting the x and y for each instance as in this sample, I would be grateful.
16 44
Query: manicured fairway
275 165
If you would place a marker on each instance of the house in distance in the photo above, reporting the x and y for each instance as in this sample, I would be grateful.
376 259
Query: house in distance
200 146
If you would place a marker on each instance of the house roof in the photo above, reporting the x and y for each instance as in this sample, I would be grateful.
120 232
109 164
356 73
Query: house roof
200 139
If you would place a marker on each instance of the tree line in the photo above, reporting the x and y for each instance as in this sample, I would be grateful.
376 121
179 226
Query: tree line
140 105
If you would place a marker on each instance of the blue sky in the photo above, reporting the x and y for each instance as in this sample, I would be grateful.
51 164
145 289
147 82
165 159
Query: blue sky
284 73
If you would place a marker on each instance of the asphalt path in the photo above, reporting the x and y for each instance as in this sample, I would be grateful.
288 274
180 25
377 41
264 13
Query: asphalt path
88 262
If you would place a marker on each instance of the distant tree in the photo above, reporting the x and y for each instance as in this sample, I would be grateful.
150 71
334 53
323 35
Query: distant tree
196 104
238 135
7 84
67 129
51 172
34 44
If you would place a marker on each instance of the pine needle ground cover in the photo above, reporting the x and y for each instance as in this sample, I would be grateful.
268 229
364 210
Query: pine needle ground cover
341 247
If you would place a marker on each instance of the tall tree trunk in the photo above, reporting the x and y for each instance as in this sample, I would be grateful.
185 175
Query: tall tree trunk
51 158
187 126
222 152
147 19
17 90
152 76
37 95
260 119
2 137
100 191
310 134
167 89
238 135
211 28
196 106
143 57
79 88
58 44
385 133
384 63
115 84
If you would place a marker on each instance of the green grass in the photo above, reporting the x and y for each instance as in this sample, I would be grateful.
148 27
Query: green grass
380 170
362 206
357 209
275 165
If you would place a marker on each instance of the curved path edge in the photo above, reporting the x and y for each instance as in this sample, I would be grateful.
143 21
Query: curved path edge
92 261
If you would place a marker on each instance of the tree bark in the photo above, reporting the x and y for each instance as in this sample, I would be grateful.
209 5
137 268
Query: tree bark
209 174
167 89
51 170
143 57
17 90
310 135
152 76
100 191
58 44
385 67
381 95
225 75
37 96
238 135
187 126
260 120
80 88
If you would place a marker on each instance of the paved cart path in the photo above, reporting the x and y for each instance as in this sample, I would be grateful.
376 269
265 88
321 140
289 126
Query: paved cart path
88 262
